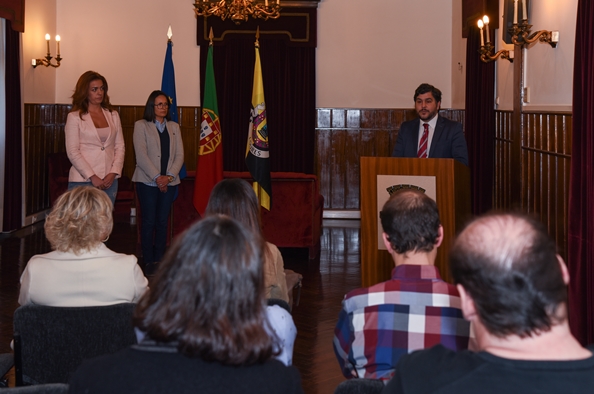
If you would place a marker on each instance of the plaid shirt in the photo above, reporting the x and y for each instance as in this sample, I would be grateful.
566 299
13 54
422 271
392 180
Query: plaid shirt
414 310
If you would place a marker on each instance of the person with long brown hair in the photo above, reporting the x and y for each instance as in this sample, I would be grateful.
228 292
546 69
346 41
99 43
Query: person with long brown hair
94 138
205 323
237 199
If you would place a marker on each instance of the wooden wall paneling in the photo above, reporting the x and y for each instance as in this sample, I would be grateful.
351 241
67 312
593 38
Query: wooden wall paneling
128 116
547 162
338 169
352 152
190 119
323 141
323 159
338 160
351 159
39 133
501 191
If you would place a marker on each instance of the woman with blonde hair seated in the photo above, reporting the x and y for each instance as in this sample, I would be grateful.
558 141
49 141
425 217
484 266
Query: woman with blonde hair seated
205 323
81 270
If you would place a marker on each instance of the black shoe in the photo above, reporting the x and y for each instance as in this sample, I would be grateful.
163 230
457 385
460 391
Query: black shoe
150 269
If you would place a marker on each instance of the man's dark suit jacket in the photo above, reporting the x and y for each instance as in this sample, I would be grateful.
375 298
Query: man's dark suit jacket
448 140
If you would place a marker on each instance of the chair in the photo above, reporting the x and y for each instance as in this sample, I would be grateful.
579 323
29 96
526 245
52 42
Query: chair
277 301
6 362
360 386
50 388
51 342
293 280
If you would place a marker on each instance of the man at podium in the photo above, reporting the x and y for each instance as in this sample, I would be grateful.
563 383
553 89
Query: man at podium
431 135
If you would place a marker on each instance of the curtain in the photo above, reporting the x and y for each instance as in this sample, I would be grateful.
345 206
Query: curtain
288 72
480 124
13 159
2 114
581 186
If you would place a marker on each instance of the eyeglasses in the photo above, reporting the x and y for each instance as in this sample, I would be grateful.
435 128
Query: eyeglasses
162 105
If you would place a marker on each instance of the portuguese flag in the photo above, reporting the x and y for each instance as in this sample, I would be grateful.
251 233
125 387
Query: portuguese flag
209 168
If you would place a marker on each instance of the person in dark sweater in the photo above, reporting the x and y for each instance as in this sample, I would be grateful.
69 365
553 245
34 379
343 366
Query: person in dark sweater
513 287
205 323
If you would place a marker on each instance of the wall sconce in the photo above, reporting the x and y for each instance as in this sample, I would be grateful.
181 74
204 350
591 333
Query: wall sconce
47 61
520 35
521 32
487 50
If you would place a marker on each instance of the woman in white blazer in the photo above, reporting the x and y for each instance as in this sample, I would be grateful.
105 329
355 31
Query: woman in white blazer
81 270
159 158
94 139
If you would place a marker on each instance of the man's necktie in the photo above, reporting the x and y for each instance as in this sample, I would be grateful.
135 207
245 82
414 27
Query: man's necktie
422 152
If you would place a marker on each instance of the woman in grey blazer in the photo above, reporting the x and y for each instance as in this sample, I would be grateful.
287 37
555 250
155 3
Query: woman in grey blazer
159 158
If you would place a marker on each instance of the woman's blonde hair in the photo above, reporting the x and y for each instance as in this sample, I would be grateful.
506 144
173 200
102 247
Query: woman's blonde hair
80 220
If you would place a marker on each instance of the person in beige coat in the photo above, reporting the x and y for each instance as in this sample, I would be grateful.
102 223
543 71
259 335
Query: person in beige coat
94 138
159 158
81 270
236 198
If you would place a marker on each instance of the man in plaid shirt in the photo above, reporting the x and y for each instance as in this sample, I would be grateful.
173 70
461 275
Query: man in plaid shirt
414 310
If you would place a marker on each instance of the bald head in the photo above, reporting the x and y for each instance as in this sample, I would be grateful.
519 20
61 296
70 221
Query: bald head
509 266
500 239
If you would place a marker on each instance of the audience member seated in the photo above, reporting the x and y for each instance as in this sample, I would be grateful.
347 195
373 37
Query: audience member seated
414 310
513 287
237 199
81 270
205 323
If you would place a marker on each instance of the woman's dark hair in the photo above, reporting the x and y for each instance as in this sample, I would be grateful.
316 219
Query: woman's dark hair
80 97
208 295
235 198
149 108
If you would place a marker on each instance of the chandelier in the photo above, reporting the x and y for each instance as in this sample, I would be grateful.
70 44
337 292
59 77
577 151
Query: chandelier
238 10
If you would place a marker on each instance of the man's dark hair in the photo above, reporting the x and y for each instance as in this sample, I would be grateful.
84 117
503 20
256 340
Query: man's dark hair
508 265
426 88
411 221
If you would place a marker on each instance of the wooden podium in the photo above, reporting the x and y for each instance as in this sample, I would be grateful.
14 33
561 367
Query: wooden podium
452 194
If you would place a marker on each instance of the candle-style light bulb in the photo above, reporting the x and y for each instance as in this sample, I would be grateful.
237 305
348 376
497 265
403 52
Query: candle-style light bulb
58 44
169 33
480 26
47 39
515 12
524 11
486 21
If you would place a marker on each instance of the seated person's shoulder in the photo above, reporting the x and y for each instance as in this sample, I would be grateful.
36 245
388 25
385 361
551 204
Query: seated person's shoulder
411 371
363 297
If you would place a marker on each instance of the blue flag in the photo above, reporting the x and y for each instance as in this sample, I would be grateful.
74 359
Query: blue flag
168 86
